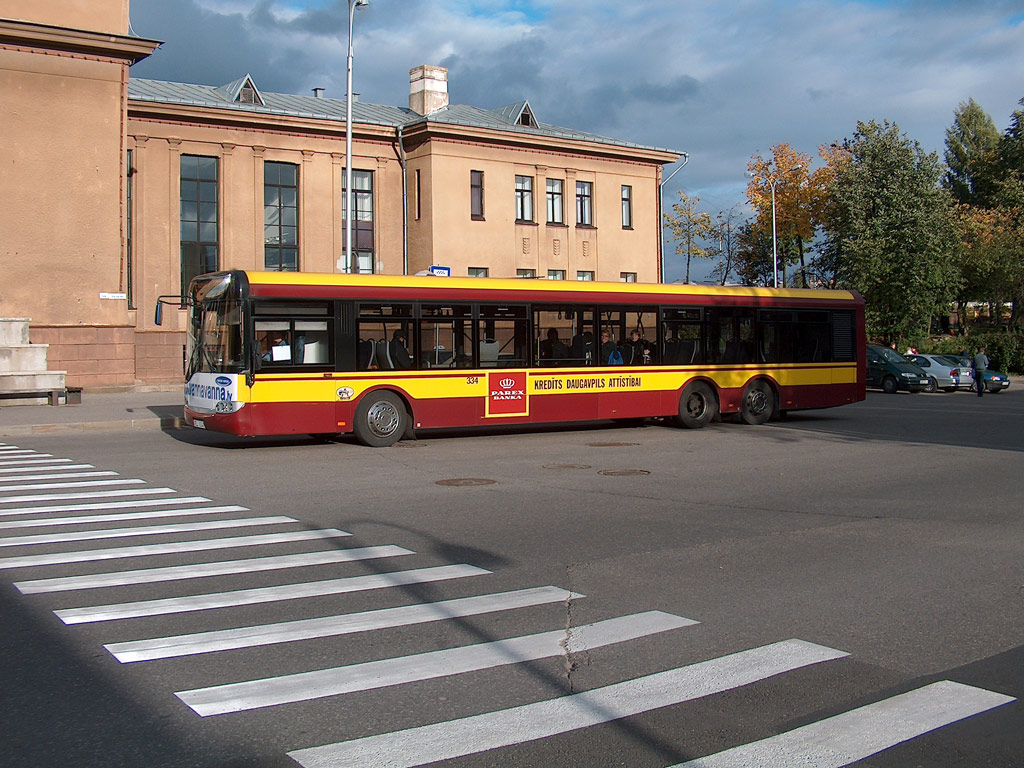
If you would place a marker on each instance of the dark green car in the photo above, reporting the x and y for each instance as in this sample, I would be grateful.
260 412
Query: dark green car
889 370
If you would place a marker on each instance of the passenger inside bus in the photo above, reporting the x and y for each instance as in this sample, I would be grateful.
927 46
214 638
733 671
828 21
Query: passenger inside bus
552 350
583 348
400 357
276 347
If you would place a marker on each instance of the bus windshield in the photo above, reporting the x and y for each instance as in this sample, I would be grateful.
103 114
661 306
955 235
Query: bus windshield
215 327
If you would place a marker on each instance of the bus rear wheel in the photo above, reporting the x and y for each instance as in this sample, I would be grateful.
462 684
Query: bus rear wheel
380 420
697 405
758 403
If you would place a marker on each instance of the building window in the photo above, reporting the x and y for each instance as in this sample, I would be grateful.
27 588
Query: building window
524 199
199 231
362 223
528 274
554 201
584 203
281 217
419 208
627 277
627 207
556 274
478 272
586 275
476 194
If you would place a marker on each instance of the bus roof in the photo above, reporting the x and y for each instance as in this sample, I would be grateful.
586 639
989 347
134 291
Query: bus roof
518 289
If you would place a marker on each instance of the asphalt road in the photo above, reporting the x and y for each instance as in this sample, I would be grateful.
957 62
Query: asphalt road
850 578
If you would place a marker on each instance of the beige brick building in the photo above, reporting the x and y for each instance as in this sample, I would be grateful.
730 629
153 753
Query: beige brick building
117 190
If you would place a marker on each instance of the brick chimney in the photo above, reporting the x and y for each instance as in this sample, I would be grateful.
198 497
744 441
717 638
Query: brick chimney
428 89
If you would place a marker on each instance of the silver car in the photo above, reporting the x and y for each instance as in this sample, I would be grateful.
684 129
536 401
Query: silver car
942 374
966 367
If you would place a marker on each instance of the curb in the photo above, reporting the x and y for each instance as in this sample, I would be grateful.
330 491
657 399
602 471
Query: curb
175 422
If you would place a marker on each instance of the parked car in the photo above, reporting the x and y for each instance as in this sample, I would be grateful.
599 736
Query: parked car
889 370
966 367
942 374
995 381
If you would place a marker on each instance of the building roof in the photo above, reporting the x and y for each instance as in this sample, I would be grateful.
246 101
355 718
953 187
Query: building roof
507 118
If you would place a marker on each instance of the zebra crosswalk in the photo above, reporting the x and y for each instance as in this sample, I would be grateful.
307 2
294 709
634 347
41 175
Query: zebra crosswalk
113 511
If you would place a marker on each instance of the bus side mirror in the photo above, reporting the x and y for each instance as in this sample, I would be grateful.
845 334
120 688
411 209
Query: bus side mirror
158 314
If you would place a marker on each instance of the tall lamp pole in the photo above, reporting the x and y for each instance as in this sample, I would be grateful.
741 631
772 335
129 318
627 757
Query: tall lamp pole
772 182
349 265
661 225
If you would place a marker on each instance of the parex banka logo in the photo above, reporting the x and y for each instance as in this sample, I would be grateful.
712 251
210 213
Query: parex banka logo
506 394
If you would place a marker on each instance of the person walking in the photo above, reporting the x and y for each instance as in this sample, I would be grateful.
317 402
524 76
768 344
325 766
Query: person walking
980 366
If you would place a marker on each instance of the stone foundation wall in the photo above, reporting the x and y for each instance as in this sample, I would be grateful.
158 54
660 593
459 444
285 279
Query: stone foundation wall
159 356
111 357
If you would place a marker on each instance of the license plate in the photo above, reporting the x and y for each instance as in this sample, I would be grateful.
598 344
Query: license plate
199 424
923 381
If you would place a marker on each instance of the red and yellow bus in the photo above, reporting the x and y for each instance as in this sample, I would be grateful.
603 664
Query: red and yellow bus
277 353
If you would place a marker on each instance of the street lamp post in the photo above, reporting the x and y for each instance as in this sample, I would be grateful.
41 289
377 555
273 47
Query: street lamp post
349 265
772 182
661 225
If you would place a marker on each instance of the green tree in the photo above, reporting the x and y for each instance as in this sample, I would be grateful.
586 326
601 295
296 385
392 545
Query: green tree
753 257
689 228
828 266
896 231
972 144
986 175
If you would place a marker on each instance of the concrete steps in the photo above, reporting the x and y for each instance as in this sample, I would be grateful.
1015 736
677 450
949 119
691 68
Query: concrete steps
24 379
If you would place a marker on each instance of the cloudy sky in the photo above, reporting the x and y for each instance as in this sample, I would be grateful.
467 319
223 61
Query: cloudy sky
720 79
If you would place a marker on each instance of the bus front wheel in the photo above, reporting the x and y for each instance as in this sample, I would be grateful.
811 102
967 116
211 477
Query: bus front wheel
697 405
381 419
758 403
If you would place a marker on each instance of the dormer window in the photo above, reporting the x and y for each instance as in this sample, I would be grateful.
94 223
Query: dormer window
242 91
526 117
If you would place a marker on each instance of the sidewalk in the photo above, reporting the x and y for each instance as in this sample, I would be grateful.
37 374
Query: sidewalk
159 408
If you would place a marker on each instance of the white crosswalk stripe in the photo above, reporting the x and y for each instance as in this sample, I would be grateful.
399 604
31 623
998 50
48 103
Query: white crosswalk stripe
46 522
203 570
304 686
146 530
92 495
456 738
174 547
328 626
265 594
71 484
55 475
39 458
858 734
104 505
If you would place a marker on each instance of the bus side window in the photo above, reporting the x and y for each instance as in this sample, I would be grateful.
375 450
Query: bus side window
293 334
274 339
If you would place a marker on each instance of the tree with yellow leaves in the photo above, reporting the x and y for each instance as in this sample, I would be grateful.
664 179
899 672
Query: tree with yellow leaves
786 174
689 229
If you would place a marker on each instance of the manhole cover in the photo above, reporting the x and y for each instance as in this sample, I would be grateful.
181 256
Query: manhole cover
463 481
610 445
623 472
566 466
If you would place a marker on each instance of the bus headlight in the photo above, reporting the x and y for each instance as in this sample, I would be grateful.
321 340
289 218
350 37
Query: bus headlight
227 406
345 393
